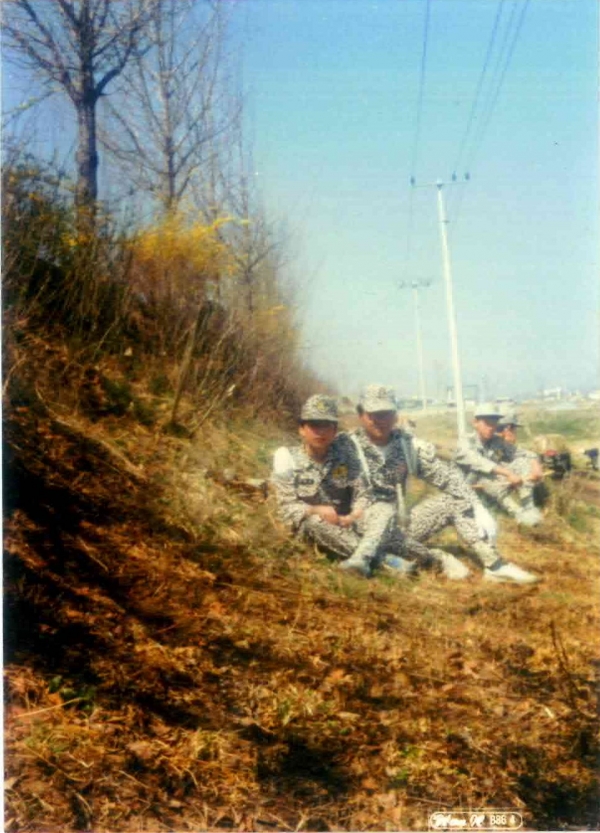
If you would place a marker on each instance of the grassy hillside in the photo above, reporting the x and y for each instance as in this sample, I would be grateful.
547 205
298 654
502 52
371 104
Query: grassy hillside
174 662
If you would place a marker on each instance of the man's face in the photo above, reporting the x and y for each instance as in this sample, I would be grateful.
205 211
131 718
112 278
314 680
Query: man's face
508 433
317 436
378 425
485 427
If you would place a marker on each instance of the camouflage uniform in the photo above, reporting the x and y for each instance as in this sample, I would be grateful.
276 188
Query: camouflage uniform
300 482
478 461
388 474
522 464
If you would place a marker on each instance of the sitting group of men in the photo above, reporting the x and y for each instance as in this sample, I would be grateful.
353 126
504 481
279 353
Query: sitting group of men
346 492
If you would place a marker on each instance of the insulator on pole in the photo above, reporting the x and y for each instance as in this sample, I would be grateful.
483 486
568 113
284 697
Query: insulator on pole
413 181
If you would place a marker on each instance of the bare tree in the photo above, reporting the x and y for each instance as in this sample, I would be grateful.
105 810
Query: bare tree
178 101
256 244
78 47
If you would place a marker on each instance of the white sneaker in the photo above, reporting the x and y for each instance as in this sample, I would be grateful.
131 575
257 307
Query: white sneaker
509 572
450 565
399 566
359 565
529 517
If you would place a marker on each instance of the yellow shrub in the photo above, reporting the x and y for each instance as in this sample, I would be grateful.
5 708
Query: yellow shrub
179 257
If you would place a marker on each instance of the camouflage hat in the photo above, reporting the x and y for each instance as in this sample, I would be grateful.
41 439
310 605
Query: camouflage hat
487 410
509 418
319 408
378 398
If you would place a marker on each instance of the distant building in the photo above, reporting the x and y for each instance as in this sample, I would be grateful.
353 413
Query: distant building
410 404
552 394
470 395
505 402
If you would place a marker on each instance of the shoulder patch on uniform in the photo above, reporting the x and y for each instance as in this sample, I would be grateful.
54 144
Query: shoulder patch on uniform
340 472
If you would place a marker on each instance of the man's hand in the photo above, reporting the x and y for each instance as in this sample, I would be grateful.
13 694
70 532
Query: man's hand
326 513
348 520
513 479
537 472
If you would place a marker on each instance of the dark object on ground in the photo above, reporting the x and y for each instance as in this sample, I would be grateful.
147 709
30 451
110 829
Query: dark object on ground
592 454
541 494
558 462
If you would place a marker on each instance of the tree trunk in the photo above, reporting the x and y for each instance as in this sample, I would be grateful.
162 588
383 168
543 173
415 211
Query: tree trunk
87 155
171 200
87 148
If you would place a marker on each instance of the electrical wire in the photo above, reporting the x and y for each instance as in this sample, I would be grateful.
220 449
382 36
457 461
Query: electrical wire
482 75
496 93
474 105
455 208
421 87
504 57
417 137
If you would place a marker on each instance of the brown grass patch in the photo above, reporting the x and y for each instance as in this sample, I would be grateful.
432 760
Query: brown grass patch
174 661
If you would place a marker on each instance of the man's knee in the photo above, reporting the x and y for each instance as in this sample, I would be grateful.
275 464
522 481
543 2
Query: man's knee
330 537
376 518
380 511
430 516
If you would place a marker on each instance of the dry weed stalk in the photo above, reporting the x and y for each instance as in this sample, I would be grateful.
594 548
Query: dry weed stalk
176 660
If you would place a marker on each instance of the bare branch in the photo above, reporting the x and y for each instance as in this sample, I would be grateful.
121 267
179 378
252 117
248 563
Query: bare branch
81 47
69 11
177 98
10 115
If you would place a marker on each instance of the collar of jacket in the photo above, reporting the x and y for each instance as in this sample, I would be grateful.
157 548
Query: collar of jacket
362 435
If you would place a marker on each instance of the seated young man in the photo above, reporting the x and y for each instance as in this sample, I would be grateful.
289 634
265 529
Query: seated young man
321 494
389 455
494 467
527 465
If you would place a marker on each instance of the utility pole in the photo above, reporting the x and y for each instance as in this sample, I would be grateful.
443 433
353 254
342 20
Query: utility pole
415 286
458 390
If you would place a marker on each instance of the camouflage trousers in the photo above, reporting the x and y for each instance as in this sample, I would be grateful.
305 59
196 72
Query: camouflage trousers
496 492
434 514
368 537
375 535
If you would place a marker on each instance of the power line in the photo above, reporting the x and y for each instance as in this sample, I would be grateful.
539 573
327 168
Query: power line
479 87
488 97
421 88
415 285
500 82
504 57
476 99
417 137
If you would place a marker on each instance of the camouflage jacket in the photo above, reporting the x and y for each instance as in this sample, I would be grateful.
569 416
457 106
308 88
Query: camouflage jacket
477 458
407 455
298 481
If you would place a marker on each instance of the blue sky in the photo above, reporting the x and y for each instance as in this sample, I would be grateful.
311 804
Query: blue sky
343 109
333 92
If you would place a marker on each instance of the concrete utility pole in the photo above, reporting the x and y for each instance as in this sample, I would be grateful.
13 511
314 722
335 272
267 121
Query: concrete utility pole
458 390
415 286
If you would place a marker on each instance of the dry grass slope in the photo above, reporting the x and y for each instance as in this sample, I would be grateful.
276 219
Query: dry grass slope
174 662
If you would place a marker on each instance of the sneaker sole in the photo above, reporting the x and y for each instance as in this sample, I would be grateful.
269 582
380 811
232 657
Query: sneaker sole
355 570
460 577
505 580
